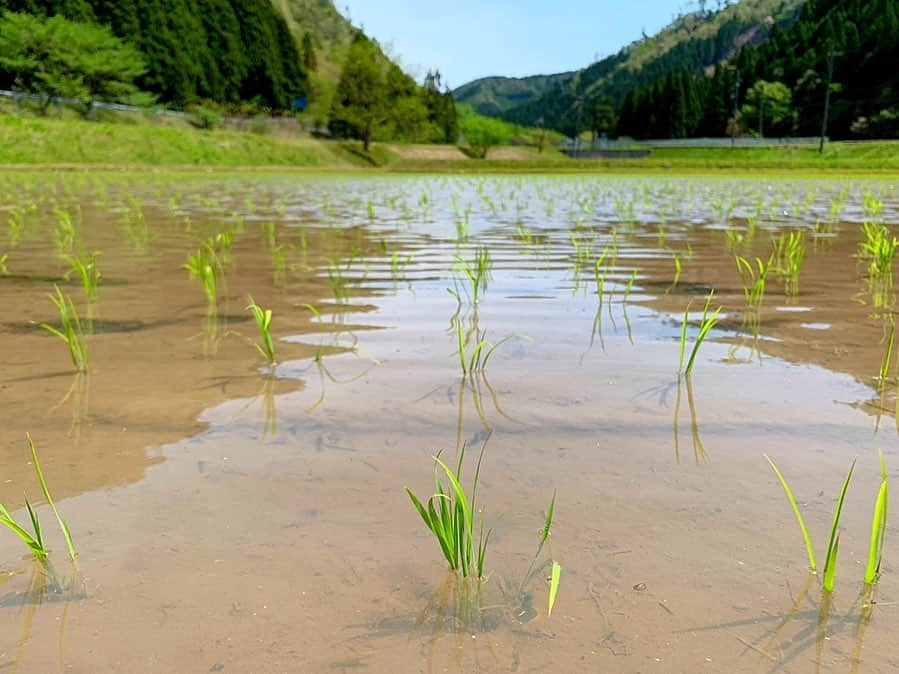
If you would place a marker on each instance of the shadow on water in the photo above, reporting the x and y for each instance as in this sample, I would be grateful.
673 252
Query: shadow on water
45 586
812 626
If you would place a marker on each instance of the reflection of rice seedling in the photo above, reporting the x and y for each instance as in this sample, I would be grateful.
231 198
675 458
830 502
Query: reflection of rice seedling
263 318
477 361
753 280
878 527
833 546
708 321
71 330
887 357
476 271
35 541
678 267
450 516
878 247
338 282
87 271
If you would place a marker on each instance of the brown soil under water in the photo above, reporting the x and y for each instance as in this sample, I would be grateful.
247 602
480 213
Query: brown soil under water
232 519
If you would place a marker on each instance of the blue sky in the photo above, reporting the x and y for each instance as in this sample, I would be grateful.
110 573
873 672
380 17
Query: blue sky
467 39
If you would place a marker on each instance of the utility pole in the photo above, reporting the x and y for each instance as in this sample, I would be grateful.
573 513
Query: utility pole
733 129
832 54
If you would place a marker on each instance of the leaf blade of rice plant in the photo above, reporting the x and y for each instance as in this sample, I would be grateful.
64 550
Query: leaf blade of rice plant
555 577
27 538
683 338
830 568
878 523
832 548
40 476
789 492
35 523
547 525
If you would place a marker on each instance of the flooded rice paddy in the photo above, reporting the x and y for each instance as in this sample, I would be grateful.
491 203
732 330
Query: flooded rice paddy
235 517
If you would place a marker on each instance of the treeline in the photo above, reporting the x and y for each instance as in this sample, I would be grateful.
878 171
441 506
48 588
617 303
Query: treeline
377 100
226 51
778 88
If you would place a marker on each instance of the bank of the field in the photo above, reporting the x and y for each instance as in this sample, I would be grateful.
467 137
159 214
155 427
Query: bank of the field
34 141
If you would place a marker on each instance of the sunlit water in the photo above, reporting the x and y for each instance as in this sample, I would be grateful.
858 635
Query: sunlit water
235 517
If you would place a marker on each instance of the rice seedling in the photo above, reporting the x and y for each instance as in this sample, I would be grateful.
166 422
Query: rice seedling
754 279
678 267
87 271
35 540
878 527
450 516
706 324
878 247
65 231
3 259
789 253
480 354
70 330
833 546
476 271
263 318
204 266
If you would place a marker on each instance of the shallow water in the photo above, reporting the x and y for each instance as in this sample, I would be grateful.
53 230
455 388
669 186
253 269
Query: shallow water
229 518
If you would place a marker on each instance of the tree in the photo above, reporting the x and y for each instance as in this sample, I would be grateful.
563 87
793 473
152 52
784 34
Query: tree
54 57
360 103
768 102
482 133
307 50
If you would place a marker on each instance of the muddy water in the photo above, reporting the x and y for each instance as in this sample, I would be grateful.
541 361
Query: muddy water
231 518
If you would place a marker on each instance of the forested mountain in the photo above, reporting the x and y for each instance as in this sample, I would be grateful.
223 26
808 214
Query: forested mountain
222 50
692 43
493 96
782 83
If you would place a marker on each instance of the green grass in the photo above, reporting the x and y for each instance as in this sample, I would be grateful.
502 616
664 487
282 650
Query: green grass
833 545
35 540
450 516
70 331
263 318
42 141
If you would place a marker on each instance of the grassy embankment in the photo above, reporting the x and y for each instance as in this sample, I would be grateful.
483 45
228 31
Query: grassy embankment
35 141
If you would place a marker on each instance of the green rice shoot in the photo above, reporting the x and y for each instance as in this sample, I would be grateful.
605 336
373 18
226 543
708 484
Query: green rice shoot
70 331
263 318
878 527
450 516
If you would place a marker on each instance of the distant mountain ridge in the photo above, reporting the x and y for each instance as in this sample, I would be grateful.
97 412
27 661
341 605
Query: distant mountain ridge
493 96
694 42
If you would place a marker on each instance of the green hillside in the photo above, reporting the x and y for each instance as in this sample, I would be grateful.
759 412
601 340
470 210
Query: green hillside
493 96
694 41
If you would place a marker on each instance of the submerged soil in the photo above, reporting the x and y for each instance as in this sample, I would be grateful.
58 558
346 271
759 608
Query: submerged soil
229 517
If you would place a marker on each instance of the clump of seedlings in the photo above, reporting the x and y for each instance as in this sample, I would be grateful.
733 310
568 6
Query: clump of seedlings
708 321
480 354
788 255
35 540
476 272
754 279
263 318
879 247
833 546
205 267
87 271
70 331
450 517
